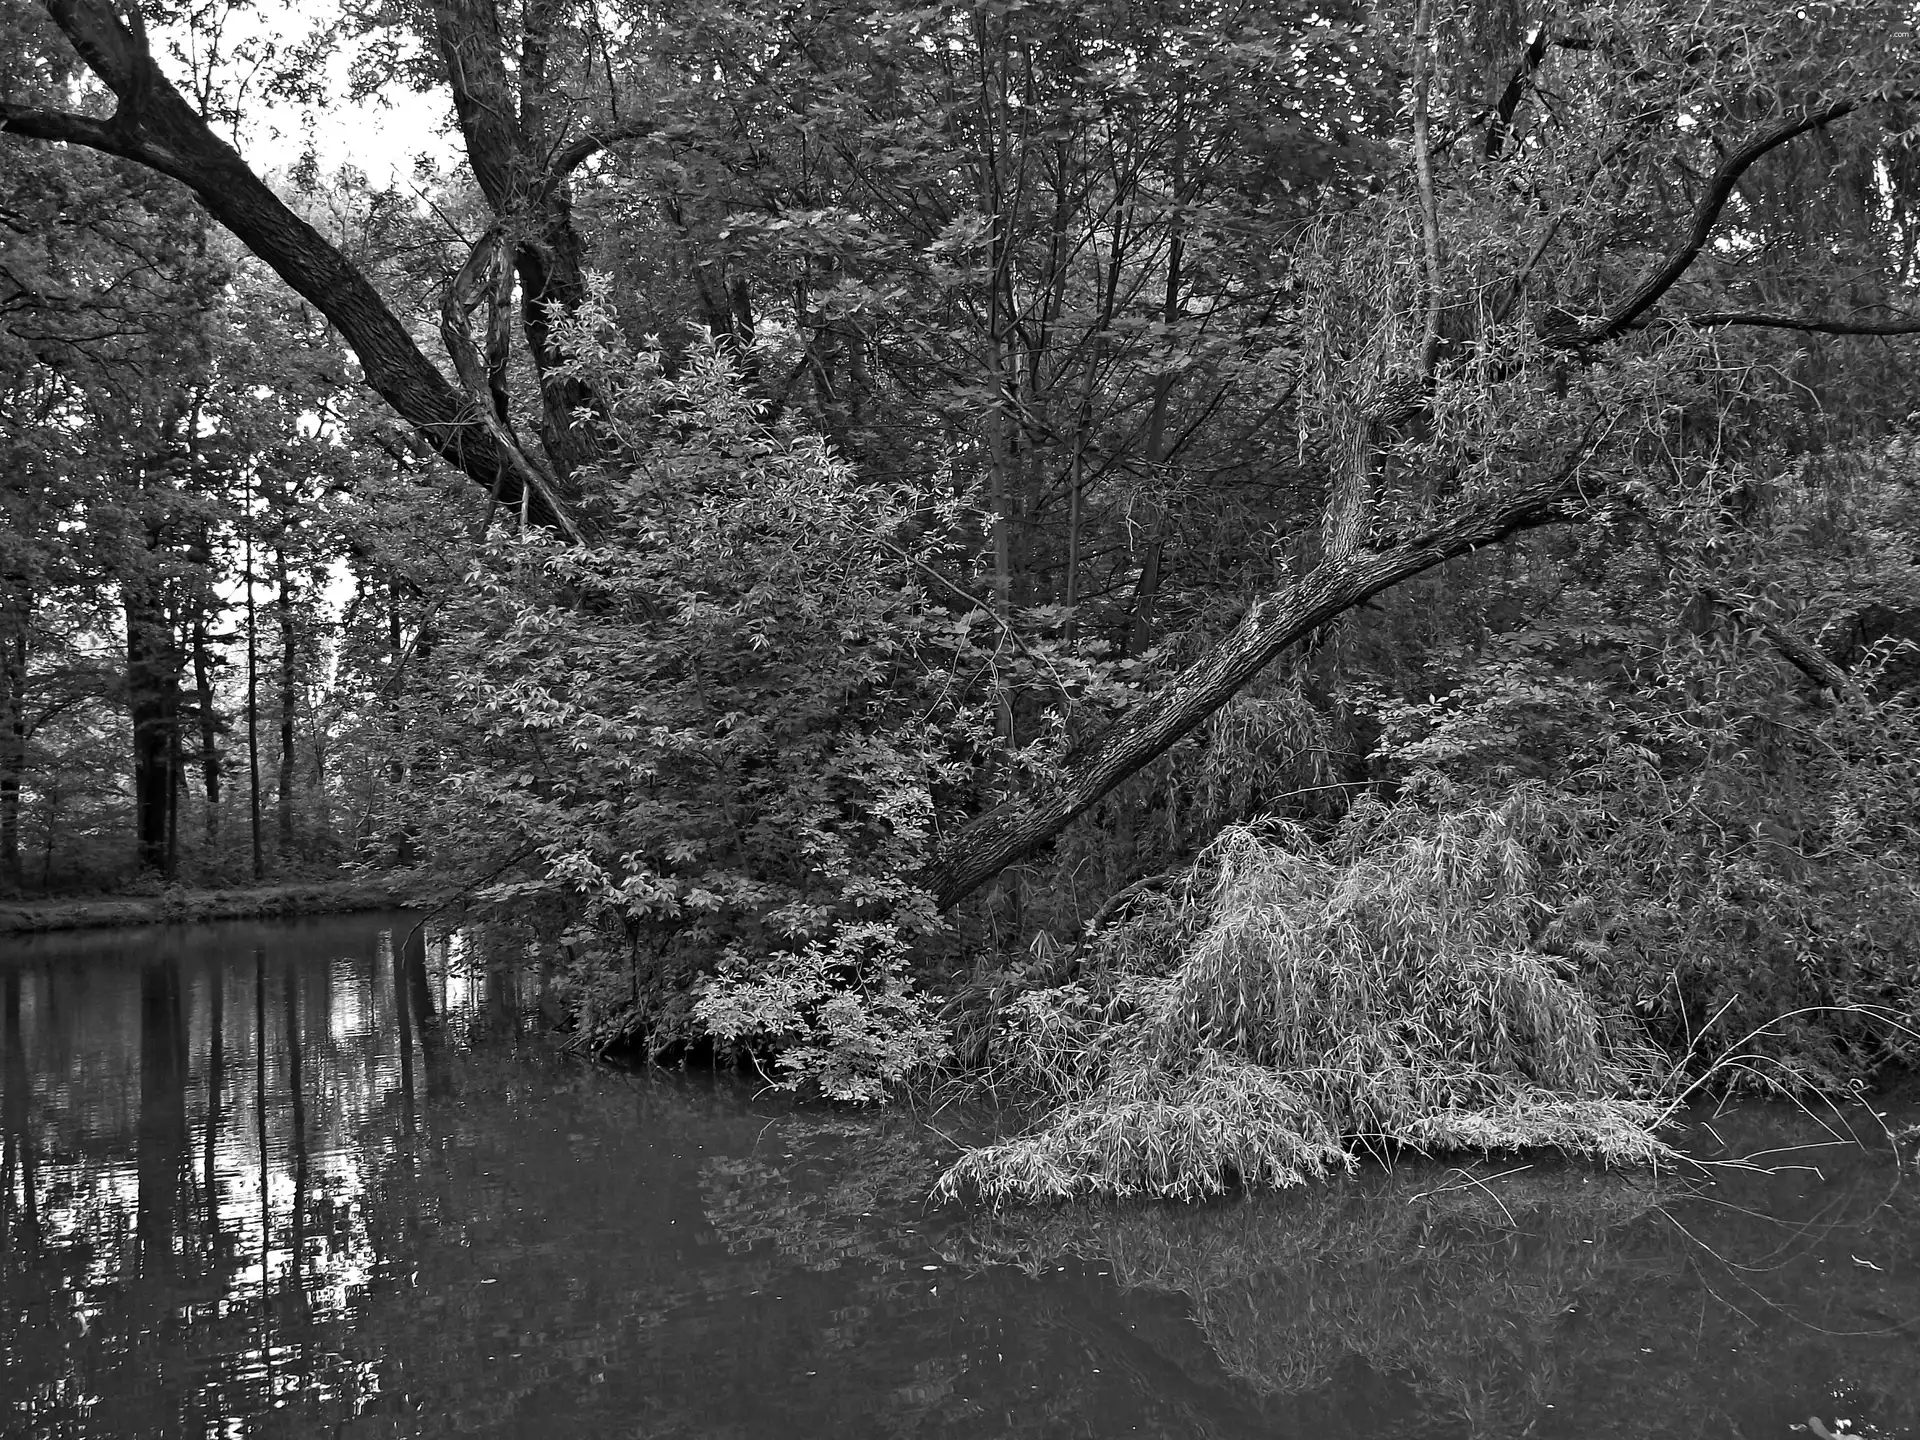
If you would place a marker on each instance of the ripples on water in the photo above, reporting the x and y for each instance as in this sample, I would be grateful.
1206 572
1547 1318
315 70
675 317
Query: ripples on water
327 1178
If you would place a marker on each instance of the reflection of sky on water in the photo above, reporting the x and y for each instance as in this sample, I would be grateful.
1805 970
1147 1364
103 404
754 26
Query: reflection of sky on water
280 1180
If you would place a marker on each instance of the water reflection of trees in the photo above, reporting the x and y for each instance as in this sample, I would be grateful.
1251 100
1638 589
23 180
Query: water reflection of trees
282 1183
190 1127
1545 1301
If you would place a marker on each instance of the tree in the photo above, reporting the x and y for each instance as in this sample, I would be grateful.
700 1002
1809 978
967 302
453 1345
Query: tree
1514 247
105 271
1411 373
155 126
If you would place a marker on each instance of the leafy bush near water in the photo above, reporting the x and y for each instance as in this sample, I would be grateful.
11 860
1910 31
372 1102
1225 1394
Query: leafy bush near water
702 758
1387 991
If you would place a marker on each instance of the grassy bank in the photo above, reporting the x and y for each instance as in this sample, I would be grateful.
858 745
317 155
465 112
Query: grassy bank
305 897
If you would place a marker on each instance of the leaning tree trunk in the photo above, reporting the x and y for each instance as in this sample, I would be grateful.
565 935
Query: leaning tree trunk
1019 826
1351 572
154 125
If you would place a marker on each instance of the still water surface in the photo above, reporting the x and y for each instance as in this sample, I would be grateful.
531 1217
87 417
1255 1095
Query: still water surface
329 1178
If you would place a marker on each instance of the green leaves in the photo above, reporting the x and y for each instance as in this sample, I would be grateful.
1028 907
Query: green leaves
723 732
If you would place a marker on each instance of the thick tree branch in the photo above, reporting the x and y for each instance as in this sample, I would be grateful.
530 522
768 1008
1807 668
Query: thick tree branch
59 127
575 153
1812 324
154 125
467 34
503 119
1025 823
1508 105
113 49
1807 659
1706 215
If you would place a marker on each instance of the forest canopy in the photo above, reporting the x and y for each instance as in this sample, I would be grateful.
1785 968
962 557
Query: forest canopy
1271 578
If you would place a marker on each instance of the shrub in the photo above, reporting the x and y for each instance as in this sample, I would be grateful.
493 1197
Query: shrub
1383 991
721 732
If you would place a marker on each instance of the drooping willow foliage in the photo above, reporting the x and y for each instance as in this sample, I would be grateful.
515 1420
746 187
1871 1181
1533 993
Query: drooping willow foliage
1383 992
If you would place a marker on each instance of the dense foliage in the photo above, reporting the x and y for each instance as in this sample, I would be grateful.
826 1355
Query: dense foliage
721 733
1283 577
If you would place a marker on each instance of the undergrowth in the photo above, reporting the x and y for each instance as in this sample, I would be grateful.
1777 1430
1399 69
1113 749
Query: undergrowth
1293 1006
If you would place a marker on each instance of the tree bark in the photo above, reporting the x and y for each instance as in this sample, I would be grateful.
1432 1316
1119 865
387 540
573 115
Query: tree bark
164 1142
153 675
508 132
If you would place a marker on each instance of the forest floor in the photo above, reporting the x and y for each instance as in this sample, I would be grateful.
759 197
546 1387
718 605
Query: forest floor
296 897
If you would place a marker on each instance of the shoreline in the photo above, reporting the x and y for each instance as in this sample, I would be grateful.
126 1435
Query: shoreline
308 897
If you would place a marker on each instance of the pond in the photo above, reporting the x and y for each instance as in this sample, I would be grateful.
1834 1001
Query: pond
331 1177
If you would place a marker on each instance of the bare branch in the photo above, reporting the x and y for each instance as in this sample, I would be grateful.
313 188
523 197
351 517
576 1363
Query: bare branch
1812 324
575 153
1705 215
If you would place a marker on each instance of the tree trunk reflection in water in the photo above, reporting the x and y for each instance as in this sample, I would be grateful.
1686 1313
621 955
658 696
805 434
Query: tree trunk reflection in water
266 1169
19 1180
164 1145
404 1027
419 1006
216 1078
568 1250
297 1089
503 1017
